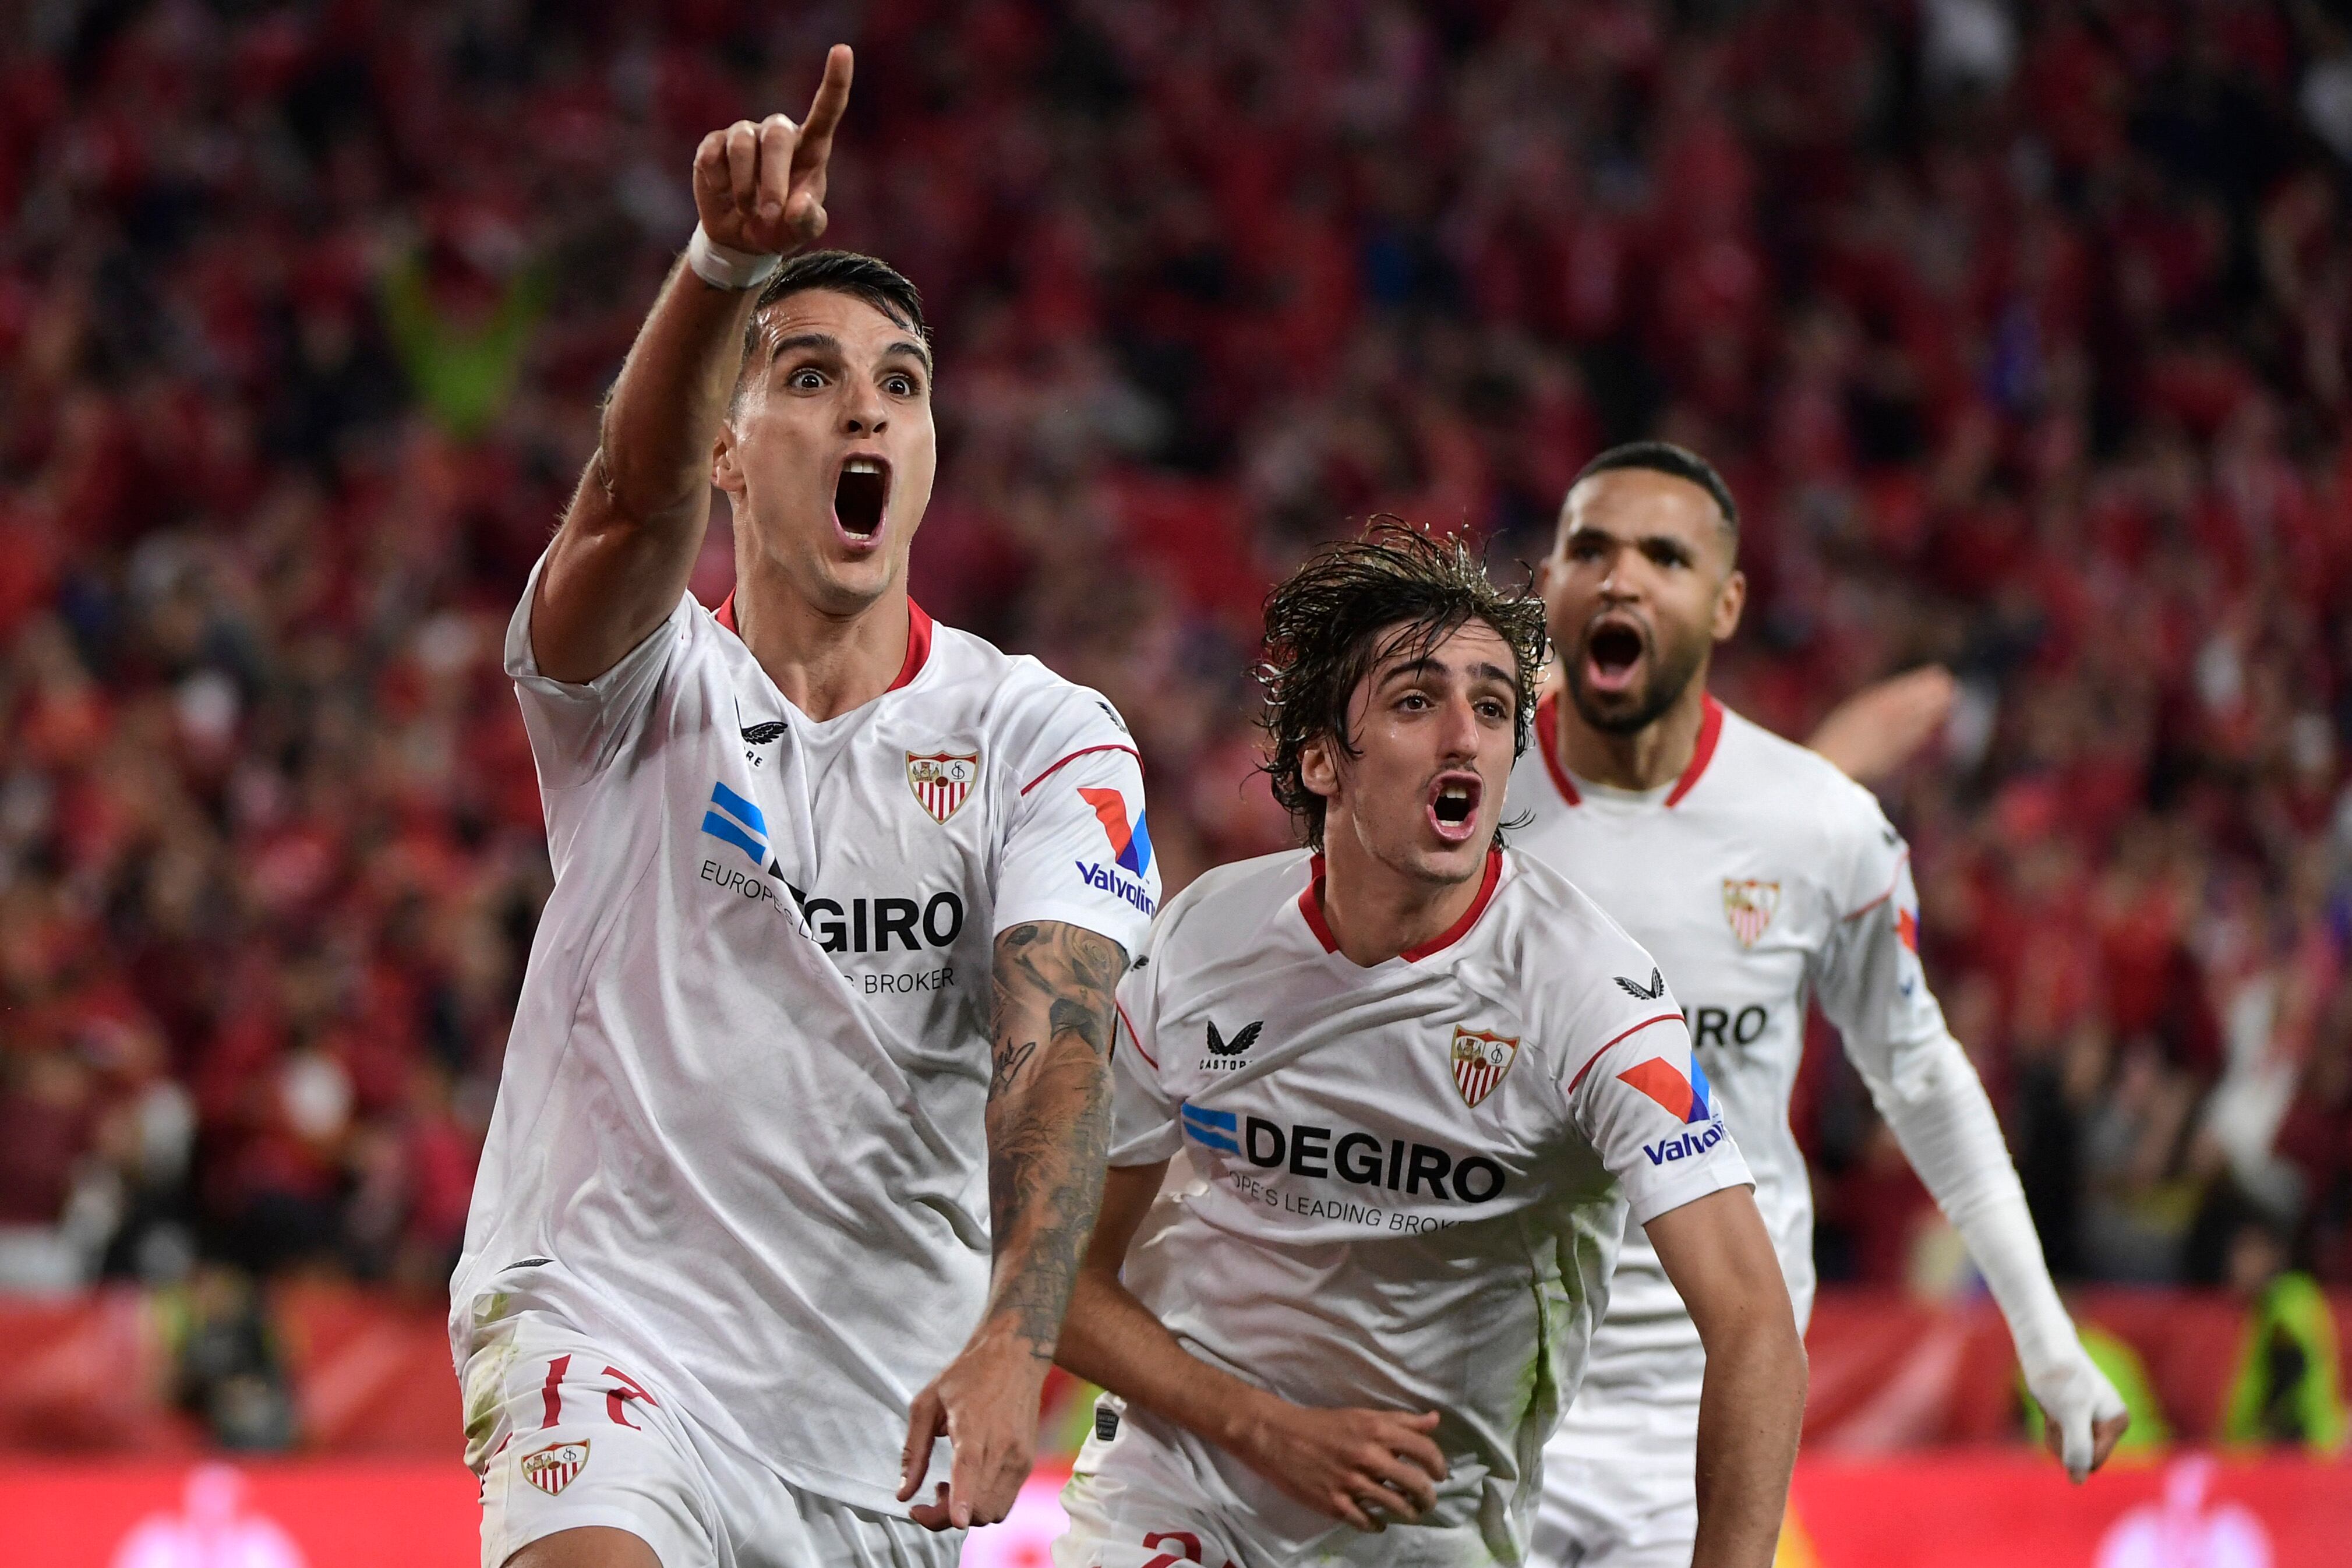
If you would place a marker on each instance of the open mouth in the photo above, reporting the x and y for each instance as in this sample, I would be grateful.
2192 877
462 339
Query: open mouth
1613 652
859 496
1453 805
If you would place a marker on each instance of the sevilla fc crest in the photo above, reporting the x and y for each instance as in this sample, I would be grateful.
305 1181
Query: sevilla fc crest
550 1469
942 781
1480 1060
1749 907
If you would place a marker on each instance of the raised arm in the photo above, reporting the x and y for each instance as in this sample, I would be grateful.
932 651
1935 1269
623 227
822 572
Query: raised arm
1346 1463
1719 1256
1048 1136
636 523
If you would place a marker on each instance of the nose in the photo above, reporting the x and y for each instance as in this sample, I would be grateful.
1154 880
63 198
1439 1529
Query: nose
864 413
1458 738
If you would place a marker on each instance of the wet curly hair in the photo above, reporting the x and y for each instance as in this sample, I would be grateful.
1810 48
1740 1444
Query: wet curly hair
1394 590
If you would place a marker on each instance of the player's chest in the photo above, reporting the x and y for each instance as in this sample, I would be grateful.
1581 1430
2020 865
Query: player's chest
1731 914
1441 1100
877 832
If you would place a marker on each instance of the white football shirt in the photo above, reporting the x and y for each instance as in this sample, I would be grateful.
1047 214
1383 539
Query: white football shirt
1410 1179
739 1131
1759 878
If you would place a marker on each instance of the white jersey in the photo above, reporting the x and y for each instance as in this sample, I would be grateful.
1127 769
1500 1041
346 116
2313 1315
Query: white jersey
740 1131
1410 1179
1761 876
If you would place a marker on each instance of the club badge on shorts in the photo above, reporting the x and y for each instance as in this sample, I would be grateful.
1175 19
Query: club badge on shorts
942 781
1480 1060
1749 907
550 1469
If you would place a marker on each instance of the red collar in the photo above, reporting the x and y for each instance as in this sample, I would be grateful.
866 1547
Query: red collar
1710 730
1310 905
918 637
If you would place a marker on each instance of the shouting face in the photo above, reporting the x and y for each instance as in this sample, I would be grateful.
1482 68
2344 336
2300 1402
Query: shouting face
1639 583
829 450
1433 733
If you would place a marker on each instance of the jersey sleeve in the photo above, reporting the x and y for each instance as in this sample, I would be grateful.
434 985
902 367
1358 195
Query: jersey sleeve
576 731
1867 975
1643 1102
1077 848
1143 1114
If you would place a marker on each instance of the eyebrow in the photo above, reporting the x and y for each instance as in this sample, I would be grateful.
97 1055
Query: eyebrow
825 342
1428 664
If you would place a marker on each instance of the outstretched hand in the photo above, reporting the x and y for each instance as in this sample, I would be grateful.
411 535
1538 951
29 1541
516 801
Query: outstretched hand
760 187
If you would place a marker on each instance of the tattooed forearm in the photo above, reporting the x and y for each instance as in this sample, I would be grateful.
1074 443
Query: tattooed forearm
1049 1118
1010 1060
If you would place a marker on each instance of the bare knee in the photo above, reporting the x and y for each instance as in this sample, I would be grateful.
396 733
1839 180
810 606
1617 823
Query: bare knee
588 1546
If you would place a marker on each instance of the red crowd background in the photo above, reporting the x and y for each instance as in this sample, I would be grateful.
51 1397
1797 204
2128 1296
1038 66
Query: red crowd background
2020 332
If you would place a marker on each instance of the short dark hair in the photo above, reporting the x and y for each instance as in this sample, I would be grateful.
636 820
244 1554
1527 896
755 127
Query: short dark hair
1666 457
1323 626
860 277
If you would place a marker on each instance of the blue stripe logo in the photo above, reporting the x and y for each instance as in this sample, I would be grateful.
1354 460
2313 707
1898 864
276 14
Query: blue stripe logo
742 824
1213 1127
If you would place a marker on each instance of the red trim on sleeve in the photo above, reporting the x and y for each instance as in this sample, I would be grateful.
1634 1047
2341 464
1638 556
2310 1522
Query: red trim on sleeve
1074 756
1132 1035
1891 883
1710 730
1661 1018
918 637
1310 904
1547 742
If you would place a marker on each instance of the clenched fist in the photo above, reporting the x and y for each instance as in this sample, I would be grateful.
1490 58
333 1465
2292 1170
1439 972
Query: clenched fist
760 187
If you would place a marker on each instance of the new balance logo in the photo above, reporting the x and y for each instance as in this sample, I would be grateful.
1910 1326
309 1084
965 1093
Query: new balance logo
737 821
1656 989
1220 1046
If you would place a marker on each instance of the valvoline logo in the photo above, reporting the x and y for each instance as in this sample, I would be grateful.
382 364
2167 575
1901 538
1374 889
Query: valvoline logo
1130 845
1686 1098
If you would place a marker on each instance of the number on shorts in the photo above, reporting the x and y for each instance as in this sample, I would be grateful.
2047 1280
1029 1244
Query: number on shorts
1182 1538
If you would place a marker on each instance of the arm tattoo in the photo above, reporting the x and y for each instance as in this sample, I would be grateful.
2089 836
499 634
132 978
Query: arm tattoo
1048 1116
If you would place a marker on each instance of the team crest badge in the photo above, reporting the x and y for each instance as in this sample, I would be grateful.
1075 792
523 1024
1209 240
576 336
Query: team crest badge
1749 907
942 782
550 1469
1480 1060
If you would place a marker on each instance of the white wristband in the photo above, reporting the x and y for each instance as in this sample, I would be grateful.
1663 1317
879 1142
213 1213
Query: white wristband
723 267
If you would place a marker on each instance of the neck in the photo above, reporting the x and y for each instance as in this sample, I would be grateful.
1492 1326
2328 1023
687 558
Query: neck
824 663
1644 759
1374 911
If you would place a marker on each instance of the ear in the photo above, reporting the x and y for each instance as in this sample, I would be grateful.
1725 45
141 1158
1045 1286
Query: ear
1318 768
1543 578
1730 601
725 472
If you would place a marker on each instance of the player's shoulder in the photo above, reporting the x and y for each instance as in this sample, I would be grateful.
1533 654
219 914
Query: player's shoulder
1552 934
1021 704
1802 792
1227 903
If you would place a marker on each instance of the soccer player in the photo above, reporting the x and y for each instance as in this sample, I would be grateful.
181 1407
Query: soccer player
1758 874
1423 1084
729 1269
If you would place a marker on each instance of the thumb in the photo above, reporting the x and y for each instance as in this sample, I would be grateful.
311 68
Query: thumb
2075 1444
922 1432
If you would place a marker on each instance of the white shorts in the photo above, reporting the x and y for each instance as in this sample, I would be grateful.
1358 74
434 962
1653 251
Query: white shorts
1618 1486
562 1438
1112 1526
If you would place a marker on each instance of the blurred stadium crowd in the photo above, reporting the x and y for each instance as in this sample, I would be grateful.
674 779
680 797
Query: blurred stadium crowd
2020 331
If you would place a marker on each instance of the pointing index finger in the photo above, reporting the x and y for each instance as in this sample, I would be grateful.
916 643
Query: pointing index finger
831 101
